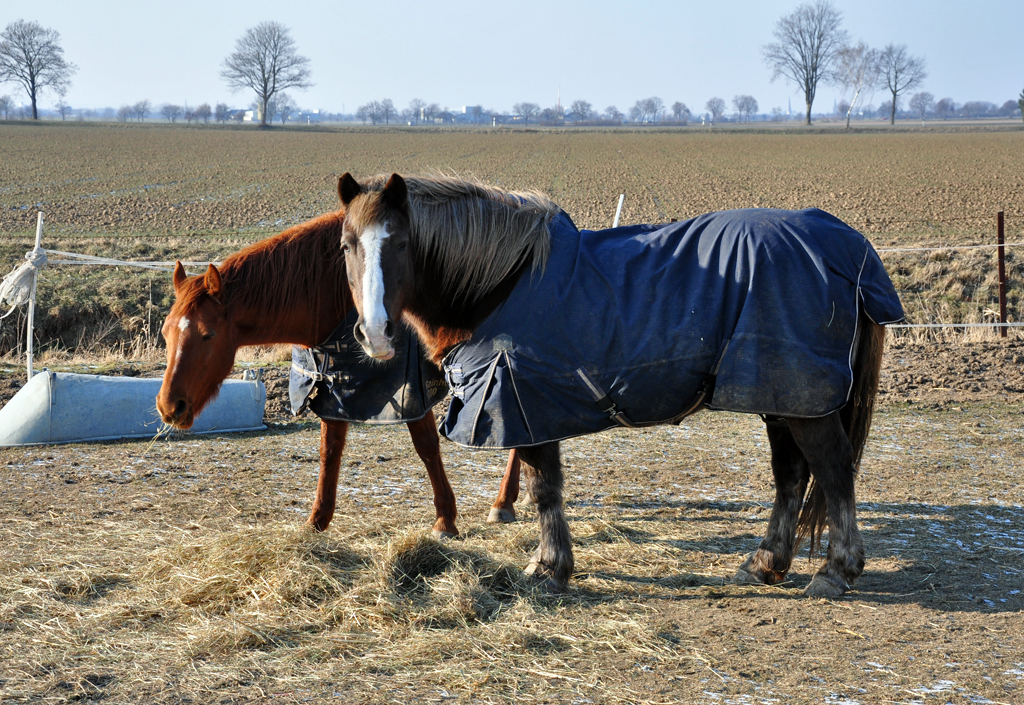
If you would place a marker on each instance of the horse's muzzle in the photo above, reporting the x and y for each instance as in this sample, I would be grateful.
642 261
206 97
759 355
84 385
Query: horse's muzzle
376 340
180 416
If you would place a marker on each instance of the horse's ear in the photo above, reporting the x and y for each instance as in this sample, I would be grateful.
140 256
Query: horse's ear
179 276
348 188
396 193
212 281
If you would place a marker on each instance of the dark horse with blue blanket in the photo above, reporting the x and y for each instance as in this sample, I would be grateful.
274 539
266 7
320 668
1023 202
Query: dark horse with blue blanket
546 333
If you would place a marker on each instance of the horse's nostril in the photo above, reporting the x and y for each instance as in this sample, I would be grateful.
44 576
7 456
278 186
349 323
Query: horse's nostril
179 408
360 336
389 330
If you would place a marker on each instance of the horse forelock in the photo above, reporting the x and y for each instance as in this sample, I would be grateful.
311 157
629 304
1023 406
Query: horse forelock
475 234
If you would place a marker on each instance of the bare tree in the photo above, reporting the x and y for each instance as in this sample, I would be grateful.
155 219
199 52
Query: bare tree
582 110
553 115
170 112
680 113
945 107
978 108
63 109
6 106
416 107
1020 104
266 61
612 114
655 108
141 110
283 107
222 113
900 73
31 55
204 113
922 103
647 110
526 111
124 113
746 106
858 70
805 48
363 113
715 106
388 112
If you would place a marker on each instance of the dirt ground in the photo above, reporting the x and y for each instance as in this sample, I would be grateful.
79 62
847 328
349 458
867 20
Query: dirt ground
661 519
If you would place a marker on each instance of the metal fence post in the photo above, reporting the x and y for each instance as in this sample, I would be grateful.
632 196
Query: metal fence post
1002 275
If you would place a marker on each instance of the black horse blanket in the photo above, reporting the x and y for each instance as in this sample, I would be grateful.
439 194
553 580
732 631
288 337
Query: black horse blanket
338 382
746 310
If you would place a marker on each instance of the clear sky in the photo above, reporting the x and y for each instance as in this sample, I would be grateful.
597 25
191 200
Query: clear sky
497 54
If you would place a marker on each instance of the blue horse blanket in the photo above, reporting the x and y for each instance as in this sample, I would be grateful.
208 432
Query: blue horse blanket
338 382
745 310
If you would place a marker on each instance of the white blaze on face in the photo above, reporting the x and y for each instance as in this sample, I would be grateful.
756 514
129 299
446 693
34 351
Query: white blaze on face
375 316
183 324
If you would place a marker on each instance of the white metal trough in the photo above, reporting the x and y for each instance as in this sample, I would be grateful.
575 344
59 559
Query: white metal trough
58 407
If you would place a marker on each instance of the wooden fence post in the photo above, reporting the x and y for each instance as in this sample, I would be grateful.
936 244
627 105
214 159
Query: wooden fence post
1002 275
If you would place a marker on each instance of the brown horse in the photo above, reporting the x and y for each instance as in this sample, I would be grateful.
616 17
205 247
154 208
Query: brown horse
444 255
289 288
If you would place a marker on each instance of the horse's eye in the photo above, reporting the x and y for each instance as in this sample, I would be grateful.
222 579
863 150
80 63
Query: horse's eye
402 246
345 247
209 336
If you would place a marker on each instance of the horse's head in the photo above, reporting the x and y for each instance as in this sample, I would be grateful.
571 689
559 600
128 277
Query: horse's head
201 345
375 240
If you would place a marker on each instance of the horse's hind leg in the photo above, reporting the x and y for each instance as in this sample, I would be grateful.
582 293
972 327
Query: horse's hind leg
332 445
552 563
830 457
770 563
503 511
428 447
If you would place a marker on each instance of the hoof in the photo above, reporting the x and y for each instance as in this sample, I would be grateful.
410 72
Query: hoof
527 499
501 516
826 586
443 532
744 577
544 580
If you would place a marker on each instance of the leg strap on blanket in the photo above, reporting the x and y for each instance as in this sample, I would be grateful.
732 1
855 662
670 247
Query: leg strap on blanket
773 420
603 401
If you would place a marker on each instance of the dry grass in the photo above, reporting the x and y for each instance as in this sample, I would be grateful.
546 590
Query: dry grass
167 586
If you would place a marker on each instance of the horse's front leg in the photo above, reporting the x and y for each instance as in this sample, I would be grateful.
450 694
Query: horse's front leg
428 446
332 445
770 563
830 457
503 511
552 563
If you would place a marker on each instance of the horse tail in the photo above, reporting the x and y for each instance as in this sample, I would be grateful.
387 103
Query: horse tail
856 417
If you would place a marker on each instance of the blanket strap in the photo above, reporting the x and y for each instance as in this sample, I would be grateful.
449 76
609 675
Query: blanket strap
603 401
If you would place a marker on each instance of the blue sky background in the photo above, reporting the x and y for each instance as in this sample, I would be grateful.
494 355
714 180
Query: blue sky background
497 54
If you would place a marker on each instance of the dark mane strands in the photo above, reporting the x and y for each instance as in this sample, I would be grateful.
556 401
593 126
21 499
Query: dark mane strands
478 234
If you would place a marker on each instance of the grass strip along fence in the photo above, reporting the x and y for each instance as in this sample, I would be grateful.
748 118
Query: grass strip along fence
1003 324
92 311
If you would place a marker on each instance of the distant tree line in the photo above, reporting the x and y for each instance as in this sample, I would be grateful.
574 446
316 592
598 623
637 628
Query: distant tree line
810 49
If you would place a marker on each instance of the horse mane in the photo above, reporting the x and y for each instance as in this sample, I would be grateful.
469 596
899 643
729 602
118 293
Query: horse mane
476 234
277 274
